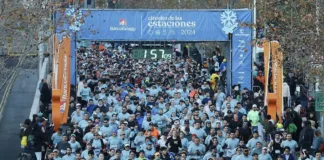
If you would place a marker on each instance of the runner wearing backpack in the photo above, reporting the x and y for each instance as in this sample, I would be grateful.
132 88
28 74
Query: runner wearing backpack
97 143
37 137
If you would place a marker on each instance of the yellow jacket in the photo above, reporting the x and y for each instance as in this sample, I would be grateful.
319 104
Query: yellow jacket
23 141
212 80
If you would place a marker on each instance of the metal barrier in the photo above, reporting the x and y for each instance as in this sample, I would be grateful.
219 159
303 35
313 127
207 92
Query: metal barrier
43 75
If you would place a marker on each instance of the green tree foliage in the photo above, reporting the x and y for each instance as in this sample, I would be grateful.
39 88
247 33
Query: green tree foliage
294 24
24 24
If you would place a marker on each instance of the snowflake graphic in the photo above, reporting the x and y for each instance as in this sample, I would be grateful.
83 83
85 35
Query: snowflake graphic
75 19
229 21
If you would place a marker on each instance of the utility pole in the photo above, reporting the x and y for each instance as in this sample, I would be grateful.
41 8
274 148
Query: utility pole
42 33
41 50
254 31
179 4
317 36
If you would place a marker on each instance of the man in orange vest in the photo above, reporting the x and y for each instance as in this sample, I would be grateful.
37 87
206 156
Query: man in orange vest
261 79
154 132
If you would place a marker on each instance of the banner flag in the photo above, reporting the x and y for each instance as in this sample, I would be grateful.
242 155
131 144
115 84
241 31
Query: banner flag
65 72
242 52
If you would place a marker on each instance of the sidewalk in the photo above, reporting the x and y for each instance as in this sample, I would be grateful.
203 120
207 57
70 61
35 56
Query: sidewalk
17 109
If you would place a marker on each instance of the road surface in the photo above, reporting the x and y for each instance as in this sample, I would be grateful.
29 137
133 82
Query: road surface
16 111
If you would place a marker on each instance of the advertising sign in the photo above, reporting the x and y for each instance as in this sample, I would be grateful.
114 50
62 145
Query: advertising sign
152 25
65 72
277 75
319 101
242 53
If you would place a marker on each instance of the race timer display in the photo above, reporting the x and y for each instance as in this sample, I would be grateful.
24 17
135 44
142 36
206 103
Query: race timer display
152 53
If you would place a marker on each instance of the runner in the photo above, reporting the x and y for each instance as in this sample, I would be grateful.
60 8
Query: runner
169 109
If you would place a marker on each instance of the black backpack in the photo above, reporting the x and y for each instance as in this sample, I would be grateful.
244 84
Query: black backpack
25 156
31 140
308 136
102 143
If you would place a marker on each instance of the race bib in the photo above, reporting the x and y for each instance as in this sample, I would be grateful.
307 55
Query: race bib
97 151
113 147
277 151
229 152
63 151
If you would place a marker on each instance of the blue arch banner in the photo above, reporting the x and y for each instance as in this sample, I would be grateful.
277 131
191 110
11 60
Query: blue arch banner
153 25
168 25
150 25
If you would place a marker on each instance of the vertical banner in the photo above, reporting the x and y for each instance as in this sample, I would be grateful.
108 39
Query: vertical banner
277 75
270 99
242 51
73 60
60 63
56 118
274 99
65 68
266 56
55 62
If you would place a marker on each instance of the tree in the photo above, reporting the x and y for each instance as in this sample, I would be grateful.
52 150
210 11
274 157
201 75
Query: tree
17 33
24 24
297 27
166 4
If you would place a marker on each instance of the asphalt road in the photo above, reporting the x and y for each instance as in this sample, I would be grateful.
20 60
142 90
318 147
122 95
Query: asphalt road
15 112
30 62
11 62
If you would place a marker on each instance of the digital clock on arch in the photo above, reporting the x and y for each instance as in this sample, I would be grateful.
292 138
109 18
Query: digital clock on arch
152 53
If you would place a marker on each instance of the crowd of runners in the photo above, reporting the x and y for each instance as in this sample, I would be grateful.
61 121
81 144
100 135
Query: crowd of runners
176 109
